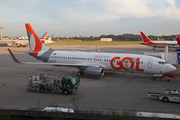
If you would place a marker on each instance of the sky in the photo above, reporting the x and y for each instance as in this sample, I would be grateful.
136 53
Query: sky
90 17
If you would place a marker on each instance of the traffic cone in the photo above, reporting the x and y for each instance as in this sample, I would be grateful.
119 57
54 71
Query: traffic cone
129 77
108 78
4 84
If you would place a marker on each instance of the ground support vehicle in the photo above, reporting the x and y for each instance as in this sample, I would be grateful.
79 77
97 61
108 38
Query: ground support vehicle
170 78
44 83
167 76
167 95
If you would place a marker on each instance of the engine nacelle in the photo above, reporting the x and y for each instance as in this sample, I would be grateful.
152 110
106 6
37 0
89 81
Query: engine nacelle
9 44
94 71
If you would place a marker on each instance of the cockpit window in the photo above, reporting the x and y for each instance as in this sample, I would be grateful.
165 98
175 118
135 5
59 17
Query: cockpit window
161 62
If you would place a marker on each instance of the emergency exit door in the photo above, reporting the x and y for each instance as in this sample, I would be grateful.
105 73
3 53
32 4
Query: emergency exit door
149 63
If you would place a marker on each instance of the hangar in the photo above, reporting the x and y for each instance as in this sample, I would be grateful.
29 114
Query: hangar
106 39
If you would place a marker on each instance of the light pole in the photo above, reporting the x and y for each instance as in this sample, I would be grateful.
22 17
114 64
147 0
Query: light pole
1 32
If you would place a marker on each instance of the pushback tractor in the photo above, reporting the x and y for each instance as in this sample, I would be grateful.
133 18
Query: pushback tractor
44 83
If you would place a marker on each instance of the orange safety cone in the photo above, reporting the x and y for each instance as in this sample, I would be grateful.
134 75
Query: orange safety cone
129 77
20 67
108 78
4 84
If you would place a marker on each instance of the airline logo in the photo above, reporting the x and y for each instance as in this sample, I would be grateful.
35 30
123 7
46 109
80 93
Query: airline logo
118 64
98 56
144 37
35 43
45 36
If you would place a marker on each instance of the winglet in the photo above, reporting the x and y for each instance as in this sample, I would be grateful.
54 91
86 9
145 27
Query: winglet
145 38
178 40
13 57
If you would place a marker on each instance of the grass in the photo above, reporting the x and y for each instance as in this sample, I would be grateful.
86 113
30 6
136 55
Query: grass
73 42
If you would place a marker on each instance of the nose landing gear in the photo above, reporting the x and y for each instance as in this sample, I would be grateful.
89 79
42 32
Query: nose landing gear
80 73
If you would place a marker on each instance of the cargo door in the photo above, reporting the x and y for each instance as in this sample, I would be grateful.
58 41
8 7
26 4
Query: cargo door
149 63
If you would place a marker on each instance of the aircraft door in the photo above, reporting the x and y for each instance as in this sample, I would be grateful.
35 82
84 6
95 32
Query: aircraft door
149 63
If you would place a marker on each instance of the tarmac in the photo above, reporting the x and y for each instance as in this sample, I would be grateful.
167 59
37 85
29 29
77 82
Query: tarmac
114 91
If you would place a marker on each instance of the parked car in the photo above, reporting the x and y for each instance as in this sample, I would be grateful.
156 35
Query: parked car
58 109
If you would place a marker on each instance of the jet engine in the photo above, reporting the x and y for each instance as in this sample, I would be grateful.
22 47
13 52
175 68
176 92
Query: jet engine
94 71
9 44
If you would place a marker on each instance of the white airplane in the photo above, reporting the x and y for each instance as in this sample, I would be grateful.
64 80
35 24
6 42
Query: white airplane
20 43
49 40
16 42
158 44
94 63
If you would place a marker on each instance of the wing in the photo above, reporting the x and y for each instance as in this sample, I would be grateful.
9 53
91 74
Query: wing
21 42
55 64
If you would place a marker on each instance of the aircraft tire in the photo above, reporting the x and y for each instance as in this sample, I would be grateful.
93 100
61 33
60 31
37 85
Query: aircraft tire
165 99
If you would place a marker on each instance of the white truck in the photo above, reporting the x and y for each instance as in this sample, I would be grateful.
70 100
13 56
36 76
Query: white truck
166 96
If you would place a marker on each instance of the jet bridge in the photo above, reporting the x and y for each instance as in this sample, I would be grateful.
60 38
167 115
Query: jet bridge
170 57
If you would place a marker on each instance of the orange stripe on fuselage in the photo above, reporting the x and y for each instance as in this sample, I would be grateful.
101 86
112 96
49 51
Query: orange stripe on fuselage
38 44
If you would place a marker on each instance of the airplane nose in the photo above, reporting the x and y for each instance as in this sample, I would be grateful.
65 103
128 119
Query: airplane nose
172 68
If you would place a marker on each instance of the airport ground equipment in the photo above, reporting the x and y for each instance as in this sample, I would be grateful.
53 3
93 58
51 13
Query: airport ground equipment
44 83
168 76
168 95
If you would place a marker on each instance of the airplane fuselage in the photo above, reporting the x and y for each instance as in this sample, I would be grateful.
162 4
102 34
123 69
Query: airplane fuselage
110 61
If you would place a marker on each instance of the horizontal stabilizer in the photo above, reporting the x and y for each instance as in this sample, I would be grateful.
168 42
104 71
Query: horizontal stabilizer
23 51
13 57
